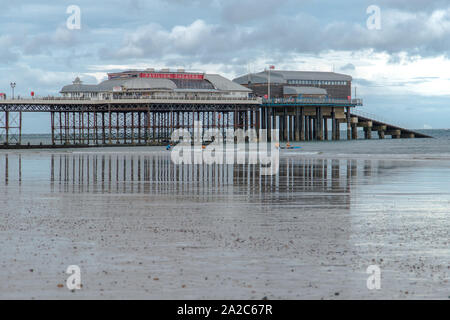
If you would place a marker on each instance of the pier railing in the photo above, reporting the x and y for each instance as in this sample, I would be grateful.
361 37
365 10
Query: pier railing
313 101
160 98
274 101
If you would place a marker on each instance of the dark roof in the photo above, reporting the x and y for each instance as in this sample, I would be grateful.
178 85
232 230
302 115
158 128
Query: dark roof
223 84
80 88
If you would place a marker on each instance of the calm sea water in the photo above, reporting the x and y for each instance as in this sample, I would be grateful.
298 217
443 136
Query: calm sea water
439 145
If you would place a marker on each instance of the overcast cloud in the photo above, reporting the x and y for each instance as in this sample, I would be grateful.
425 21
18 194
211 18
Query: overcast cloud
407 59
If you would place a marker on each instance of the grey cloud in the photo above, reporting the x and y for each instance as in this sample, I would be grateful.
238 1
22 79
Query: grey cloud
237 11
364 82
348 66
7 54
413 5
422 34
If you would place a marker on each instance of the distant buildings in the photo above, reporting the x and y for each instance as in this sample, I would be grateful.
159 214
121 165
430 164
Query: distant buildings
151 83
284 84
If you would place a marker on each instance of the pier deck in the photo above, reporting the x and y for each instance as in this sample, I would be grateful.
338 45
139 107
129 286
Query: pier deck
370 124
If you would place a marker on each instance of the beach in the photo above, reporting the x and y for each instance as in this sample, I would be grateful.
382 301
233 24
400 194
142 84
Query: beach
142 227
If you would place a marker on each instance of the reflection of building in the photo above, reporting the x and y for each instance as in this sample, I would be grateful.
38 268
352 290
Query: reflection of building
291 83
151 83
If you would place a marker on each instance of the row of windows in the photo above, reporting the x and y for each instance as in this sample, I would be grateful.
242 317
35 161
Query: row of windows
318 82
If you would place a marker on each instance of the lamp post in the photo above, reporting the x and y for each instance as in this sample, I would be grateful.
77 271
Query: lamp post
13 85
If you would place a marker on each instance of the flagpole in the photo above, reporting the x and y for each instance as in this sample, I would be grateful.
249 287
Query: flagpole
268 90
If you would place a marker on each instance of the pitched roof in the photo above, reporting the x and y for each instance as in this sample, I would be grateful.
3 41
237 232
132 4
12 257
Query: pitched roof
223 84
149 83
79 88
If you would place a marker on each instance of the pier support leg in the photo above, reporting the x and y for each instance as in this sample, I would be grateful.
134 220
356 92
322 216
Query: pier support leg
274 120
338 129
333 125
302 125
263 119
291 129
282 137
320 124
349 134
307 122
314 127
257 121
52 119
368 130
103 129
7 127
354 131
297 124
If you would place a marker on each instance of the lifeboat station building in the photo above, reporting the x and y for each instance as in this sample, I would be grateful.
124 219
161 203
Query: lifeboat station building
157 84
301 84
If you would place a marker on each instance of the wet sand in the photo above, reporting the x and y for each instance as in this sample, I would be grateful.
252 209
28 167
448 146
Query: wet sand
140 227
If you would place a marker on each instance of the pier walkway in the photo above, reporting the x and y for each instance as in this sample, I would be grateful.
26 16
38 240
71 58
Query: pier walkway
372 123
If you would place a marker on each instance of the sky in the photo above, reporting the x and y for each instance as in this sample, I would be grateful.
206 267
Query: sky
400 66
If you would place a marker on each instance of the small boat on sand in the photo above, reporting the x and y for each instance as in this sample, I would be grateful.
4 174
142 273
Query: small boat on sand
290 147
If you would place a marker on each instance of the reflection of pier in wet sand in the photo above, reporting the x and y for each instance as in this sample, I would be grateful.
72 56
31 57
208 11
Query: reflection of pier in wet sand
148 173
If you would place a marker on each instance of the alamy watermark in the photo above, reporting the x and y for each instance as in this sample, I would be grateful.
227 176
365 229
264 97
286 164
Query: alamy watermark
226 146
74 280
374 280
374 20
74 20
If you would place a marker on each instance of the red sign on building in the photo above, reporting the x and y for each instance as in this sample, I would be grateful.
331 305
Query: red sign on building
172 76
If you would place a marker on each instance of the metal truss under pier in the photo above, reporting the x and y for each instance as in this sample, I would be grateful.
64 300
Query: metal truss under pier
131 121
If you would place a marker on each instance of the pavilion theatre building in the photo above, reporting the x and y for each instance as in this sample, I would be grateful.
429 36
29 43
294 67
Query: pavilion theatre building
153 84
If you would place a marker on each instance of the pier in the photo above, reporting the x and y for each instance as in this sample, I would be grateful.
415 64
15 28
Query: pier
151 121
